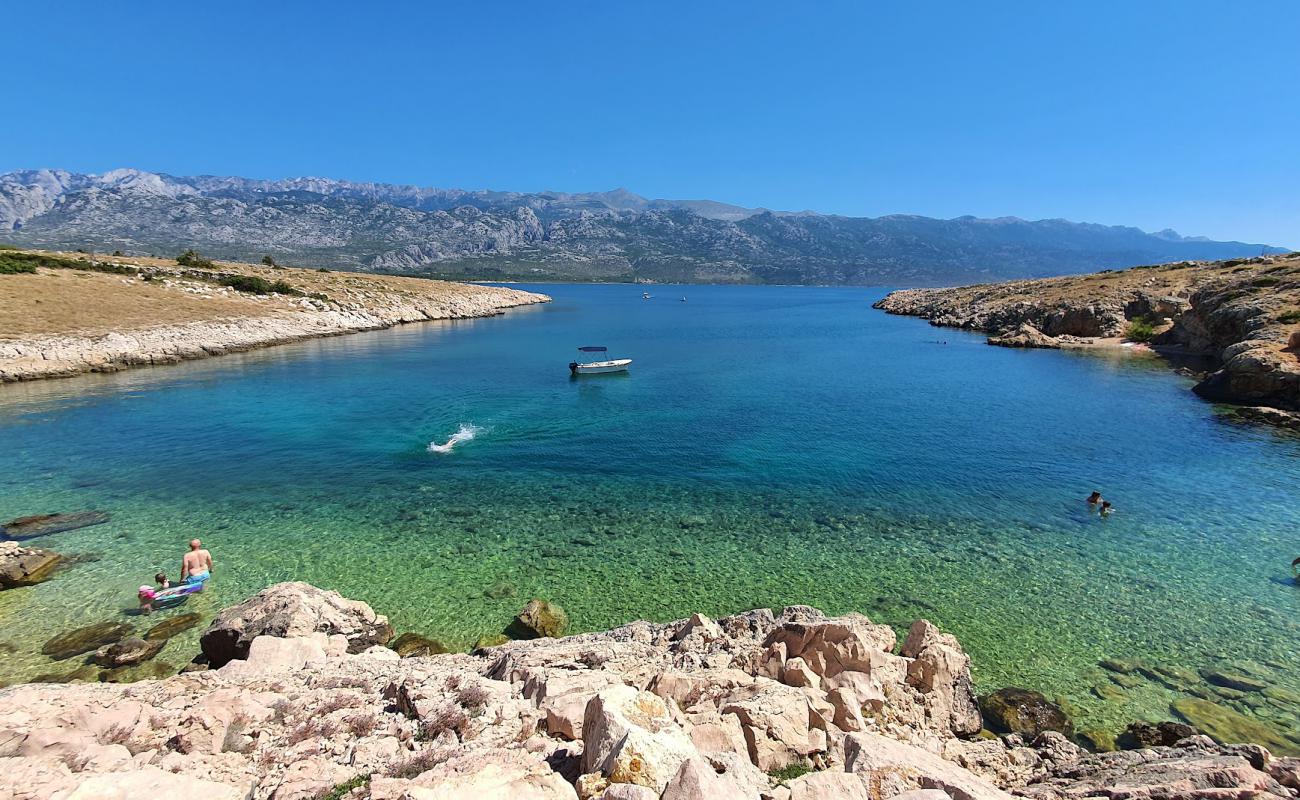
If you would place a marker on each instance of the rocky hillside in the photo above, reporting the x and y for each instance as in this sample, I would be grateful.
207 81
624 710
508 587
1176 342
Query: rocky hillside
1243 314
296 697
596 236
66 313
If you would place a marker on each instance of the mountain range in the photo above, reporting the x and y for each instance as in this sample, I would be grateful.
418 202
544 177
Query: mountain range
614 235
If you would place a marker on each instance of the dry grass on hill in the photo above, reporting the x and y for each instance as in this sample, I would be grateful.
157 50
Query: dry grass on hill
73 301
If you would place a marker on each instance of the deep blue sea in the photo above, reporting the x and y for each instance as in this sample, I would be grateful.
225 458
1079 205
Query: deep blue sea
770 445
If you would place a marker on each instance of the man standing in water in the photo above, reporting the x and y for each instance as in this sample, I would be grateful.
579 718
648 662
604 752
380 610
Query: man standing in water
196 565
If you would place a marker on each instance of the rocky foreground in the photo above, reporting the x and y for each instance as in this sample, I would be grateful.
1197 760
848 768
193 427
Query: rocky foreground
295 696
1243 314
90 313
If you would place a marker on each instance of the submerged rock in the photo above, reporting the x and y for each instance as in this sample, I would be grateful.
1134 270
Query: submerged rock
499 591
413 644
490 640
1022 711
1228 726
170 627
45 524
288 610
1097 740
1175 677
1144 734
1234 680
1109 692
85 639
150 670
128 652
539 619
1123 666
83 674
25 566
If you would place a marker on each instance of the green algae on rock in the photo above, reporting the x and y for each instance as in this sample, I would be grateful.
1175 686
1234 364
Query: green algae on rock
1230 727
1234 680
413 644
1097 740
1022 711
45 524
538 619
170 627
85 639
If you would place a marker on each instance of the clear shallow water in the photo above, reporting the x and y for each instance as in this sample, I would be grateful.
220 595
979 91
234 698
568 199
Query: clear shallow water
771 445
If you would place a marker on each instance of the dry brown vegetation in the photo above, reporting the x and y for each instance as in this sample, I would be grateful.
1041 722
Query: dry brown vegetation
73 301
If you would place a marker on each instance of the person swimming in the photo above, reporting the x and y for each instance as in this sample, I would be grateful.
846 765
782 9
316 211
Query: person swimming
196 565
1094 498
1106 508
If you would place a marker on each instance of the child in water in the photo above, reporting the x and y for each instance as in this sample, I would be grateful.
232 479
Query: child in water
1106 508
148 595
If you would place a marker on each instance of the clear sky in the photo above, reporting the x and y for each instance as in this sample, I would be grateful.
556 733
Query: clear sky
1177 113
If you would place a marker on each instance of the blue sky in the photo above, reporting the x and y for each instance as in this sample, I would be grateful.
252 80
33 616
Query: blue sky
1155 114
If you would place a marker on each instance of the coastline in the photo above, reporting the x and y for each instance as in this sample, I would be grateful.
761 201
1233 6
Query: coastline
1239 315
205 317
302 693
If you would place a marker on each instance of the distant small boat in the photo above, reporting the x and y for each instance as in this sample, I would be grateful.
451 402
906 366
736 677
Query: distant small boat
683 299
645 295
597 367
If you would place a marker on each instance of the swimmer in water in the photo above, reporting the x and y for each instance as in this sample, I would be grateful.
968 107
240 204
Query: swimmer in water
1094 498
1106 508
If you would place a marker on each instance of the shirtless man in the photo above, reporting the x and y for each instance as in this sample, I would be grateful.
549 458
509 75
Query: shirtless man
196 565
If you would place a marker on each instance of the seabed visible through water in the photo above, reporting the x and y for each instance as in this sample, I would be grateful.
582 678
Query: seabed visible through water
771 446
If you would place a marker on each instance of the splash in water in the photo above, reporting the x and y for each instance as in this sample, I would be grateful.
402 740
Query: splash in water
466 432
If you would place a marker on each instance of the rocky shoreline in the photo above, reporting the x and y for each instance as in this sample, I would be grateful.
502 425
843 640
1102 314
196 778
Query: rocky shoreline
300 693
320 304
1242 315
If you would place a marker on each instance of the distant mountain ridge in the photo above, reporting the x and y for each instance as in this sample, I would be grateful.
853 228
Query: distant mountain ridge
614 235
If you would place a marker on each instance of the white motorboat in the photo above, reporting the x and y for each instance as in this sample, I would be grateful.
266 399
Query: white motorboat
597 367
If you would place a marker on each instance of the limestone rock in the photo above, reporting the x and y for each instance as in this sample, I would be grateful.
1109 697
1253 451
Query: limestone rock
151 782
775 721
629 736
831 785
628 791
697 780
890 762
271 653
1025 336
492 775
537 619
288 610
941 669
25 566
1162 772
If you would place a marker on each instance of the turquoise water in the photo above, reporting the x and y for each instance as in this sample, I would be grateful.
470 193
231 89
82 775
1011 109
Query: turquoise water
771 445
